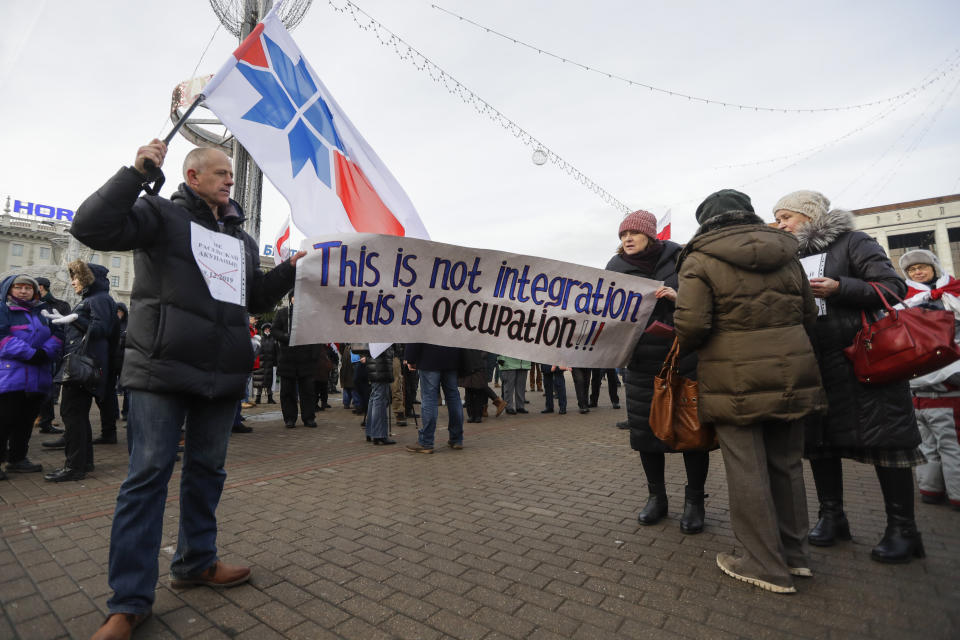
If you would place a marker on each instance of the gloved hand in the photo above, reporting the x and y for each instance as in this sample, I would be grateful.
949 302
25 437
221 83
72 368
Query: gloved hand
56 318
39 357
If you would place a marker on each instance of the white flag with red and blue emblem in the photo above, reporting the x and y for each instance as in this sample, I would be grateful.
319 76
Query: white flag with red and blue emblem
275 104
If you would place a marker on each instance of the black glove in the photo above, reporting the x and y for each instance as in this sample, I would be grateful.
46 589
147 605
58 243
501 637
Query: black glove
39 357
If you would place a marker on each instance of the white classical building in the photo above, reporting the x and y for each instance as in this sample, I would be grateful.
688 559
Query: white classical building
932 223
34 240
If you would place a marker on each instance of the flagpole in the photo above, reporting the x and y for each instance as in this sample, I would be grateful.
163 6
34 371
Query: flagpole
154 175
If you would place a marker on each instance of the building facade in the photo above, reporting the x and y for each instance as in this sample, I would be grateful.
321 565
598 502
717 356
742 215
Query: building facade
35 240
932 224
42 246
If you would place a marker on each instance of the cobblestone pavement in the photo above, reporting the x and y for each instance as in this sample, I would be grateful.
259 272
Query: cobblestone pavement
529 532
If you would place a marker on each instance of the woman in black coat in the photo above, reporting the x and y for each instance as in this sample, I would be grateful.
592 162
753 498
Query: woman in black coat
96 317
268 355
871 423
641 254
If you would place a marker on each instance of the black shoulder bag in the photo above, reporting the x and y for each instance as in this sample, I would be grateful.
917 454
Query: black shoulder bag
79 369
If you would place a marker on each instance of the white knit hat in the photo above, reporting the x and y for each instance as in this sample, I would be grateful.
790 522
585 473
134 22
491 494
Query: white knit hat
812 204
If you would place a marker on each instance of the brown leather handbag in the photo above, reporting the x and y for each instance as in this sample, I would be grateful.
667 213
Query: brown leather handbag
673 412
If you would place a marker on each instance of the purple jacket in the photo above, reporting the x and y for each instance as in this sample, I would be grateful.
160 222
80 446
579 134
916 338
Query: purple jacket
23 332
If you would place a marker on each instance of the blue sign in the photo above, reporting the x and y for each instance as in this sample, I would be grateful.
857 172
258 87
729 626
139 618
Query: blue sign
42 210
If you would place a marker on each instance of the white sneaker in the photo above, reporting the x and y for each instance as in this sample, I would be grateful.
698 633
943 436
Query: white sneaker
726 563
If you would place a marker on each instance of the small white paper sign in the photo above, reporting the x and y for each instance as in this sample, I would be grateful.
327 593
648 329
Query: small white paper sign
221 260
813 265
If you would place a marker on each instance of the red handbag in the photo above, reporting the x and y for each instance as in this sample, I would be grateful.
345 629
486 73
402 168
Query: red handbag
903 344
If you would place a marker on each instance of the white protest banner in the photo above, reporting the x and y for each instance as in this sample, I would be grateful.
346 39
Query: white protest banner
221 261
380 288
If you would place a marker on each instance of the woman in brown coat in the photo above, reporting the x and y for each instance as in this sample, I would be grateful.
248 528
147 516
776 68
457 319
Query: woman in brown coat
744 304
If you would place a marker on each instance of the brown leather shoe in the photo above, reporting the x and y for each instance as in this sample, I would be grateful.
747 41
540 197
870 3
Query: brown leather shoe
501 405
119 626
219 575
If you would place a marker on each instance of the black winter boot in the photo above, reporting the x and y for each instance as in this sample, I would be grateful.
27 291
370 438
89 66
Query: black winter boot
901 541
831 526
693 512
656 507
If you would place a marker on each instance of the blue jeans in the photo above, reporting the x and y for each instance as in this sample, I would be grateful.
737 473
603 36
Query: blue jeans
430 383
554 384
377 409
154 433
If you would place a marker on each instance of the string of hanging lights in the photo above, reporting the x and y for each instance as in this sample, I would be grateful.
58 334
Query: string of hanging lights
941 70
820 147
541 154
884 180
873 120
915 122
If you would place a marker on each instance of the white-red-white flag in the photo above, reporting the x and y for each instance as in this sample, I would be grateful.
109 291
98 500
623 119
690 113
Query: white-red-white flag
281 243
663 226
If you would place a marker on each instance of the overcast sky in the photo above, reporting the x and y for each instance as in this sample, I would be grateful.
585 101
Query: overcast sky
86 83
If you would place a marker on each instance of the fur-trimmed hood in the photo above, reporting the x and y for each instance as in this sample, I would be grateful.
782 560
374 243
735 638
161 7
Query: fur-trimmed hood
93 277
820 233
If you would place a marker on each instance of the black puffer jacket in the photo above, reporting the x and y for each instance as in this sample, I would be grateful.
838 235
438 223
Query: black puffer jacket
650 352
269 350
179 339
96 312
379 369
861 416
297 361
472 373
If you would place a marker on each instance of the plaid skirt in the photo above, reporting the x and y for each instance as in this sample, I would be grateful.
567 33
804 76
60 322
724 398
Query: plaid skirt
898 458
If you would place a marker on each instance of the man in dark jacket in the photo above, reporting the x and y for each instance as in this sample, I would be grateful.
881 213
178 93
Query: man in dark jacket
188 353
380 375
45 419
438 367
296 367
108 405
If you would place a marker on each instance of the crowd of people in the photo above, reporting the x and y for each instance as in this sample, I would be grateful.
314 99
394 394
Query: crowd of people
773 380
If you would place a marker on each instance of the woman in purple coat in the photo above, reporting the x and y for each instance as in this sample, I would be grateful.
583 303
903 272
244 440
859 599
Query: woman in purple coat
28 347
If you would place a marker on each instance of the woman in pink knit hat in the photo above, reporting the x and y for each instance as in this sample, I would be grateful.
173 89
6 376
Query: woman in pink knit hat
641 254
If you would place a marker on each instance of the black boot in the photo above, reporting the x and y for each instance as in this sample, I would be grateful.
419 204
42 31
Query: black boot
656 507
901 541
832 524
693 512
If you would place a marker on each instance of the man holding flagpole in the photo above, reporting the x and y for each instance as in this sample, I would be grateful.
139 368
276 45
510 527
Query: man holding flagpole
188 353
